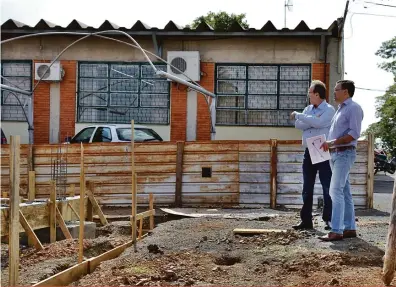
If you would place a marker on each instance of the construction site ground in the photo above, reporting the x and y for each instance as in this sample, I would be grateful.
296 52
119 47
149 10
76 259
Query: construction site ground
204 251
184 251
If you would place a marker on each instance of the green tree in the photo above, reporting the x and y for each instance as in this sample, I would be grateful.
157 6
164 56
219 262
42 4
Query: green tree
221 20
387 51
385 128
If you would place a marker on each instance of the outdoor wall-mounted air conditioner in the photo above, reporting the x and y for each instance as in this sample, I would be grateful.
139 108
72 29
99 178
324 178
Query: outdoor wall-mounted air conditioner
53 74
186 61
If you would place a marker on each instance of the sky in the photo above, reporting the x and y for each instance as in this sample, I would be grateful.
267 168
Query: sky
363 33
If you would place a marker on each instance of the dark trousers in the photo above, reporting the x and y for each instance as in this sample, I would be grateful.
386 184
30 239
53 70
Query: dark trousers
309 173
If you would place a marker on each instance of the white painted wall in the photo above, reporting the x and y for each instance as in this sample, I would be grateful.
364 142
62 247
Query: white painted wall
257 133
192 111
16 129
54 113
163 131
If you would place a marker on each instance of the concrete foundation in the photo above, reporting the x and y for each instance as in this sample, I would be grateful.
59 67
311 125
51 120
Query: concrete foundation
73 227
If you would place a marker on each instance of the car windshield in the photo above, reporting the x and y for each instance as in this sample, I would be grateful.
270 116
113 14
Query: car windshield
141 135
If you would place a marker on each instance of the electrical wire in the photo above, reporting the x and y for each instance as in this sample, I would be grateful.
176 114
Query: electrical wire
380 4
86 35
372 90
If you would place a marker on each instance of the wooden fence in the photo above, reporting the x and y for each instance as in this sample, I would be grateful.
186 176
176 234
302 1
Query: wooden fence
212 173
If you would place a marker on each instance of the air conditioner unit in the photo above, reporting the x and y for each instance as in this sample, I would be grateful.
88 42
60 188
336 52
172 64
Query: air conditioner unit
53 74
187 62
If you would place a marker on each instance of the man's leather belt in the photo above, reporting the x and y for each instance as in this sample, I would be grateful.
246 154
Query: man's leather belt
341 148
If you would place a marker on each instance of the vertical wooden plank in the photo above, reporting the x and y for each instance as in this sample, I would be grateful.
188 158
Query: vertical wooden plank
274 160
151 207
52 212
82 207
30 233
32 185
388 271
13 249
134 208
370 172
91 187
179 174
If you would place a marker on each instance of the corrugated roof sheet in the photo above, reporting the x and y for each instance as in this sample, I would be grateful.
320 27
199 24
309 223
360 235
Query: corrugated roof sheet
74 25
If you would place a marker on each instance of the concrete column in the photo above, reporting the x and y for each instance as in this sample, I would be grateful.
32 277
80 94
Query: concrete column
54 124
191 116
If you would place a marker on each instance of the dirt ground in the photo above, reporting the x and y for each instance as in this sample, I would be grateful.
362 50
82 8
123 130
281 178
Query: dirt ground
204 251
39 265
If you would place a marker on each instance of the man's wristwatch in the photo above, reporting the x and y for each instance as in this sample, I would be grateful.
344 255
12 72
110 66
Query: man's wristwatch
331 143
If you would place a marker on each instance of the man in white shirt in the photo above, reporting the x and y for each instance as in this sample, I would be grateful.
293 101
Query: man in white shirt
313 121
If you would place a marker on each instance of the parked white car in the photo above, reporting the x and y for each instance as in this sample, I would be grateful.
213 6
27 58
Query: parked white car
114 133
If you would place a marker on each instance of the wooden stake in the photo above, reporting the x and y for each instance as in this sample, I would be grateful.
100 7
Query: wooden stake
13 250
151 205
82 208
32 185
134 208
62 224
370 172
273 186
388 271
52 212
30 233
90 189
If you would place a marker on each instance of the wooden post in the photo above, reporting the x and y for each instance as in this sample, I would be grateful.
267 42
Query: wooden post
179 174
370 172
94 204
13 250
82 207
134 185
388 271
274 160
140 228
151 206
32 185
134 208
62 224
52 212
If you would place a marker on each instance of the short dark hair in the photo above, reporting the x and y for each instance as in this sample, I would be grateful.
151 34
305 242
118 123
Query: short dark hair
348 85
320 88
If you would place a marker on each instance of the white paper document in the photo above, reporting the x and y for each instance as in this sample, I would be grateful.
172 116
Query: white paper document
317 154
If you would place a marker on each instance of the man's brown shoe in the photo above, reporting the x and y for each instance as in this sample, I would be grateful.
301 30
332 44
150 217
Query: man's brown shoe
331 236
350 234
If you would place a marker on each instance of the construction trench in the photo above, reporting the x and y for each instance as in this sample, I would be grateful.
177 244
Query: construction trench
219 240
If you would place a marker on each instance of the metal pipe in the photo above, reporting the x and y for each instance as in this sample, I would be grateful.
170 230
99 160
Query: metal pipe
16 90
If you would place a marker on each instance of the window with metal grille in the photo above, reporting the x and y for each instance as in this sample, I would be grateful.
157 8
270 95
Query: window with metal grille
260 95
110 92
15 74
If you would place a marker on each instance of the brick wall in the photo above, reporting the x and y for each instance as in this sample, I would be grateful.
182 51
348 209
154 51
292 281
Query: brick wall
178 124
203 115
318 73
41 113
67 105
68 99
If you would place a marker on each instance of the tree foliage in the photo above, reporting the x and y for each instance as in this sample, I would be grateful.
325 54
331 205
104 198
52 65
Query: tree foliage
387 51
385 129
221 20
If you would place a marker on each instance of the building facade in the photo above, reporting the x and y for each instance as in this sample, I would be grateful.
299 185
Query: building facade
258 76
